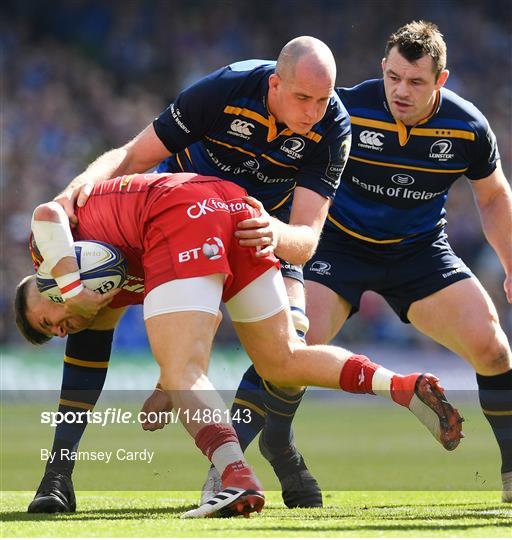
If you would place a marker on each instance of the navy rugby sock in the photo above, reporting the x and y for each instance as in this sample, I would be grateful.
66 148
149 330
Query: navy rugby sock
495 393
248 410
267 407
85 368
281 408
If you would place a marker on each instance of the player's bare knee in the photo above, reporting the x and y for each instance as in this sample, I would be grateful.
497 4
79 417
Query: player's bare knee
270 370
492 354
180 366
317 335
278 368
274 367
498 359
187 376
321 330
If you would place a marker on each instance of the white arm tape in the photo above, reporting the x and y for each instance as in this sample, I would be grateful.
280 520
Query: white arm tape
54 239
69 285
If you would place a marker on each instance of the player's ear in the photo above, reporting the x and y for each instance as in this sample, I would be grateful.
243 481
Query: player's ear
441 80
383 64
273 81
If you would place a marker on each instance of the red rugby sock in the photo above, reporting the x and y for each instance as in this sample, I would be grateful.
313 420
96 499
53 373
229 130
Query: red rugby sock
357 374
209 438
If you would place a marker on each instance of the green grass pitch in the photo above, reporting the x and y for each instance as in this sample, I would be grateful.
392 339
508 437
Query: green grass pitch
362 514
382 473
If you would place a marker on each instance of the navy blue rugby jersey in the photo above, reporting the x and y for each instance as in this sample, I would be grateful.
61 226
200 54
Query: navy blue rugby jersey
221 126
397 178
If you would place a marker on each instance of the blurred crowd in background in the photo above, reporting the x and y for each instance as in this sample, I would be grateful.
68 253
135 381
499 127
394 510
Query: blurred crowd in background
82 76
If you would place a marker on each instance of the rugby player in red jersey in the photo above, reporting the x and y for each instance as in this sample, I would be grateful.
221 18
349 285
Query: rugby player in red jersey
190 261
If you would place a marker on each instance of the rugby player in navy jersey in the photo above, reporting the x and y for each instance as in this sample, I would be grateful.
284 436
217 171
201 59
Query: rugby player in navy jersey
279 131
412 138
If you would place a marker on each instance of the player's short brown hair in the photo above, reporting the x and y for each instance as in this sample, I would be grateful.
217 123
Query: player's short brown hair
417 39
20 310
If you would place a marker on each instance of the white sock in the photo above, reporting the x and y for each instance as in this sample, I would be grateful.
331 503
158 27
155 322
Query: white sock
226 454
381 382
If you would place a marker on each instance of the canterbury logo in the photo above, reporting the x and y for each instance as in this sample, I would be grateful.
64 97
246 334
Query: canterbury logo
371 138
242 127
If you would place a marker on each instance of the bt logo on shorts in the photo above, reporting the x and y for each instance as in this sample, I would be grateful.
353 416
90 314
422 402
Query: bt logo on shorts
320 267
241 128
212 249
371 140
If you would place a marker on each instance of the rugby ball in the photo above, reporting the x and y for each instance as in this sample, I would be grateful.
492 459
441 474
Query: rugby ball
102 268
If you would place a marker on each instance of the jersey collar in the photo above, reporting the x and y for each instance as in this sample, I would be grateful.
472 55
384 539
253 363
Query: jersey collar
272 129
272 132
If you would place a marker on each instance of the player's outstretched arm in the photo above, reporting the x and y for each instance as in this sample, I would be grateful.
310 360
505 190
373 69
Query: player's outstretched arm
494 199
138 155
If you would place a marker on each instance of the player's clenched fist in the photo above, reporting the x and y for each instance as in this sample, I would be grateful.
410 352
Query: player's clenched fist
158 402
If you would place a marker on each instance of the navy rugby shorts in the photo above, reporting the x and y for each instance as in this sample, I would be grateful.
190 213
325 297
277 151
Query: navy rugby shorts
401 274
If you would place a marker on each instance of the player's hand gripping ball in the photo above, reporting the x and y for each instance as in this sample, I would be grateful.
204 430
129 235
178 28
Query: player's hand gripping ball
102 268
